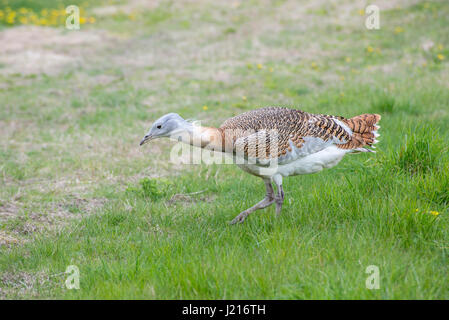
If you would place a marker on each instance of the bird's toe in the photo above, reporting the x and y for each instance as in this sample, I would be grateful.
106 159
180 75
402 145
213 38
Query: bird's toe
239 219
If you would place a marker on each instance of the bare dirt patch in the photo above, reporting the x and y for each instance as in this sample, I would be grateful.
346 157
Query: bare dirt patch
20 284
190 198
127 8
33 50
7 239
8 211
21 227
78 205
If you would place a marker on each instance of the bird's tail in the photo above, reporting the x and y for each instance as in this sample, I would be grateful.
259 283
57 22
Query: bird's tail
364 132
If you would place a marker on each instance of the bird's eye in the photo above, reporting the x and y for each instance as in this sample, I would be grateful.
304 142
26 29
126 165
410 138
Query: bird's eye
159 126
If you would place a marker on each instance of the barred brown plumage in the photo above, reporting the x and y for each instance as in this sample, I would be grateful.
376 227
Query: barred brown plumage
277 142
293 125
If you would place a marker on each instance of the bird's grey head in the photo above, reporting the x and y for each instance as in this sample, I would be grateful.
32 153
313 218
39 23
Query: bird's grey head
165 126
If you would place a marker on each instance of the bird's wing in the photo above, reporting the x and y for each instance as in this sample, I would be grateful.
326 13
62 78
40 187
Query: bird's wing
260 147
284 134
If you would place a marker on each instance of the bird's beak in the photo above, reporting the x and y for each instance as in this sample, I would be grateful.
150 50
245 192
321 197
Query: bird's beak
146 139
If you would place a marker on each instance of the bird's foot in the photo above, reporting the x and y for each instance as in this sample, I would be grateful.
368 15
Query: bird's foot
268 200
240 218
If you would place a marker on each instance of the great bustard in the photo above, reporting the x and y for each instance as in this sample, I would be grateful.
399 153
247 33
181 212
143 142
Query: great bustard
275 142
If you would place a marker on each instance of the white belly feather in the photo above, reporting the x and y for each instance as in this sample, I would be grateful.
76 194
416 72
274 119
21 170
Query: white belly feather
311 163
326 158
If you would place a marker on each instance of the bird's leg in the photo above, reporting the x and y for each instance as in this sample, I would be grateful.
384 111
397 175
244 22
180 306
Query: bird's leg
279 199
268 200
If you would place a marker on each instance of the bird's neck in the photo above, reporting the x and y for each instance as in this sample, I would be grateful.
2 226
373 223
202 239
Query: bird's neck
204 137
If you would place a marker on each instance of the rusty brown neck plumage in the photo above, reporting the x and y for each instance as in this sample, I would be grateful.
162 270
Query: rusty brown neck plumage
204 137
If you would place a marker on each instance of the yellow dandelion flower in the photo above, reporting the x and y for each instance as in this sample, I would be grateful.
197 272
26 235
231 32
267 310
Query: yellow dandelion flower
348 59
259 66
12 14
361 12
440 56
271 69
424 64
342 78
34 18
314 65
369 49
23 20
91 20
10 18
342 94
82 20
23 10
205 108
440 47
398 30
434 213
416 210
44 12
244 98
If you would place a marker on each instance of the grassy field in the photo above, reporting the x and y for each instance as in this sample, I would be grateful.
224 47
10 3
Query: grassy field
76 188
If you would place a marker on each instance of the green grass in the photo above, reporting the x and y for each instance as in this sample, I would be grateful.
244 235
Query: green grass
83 192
